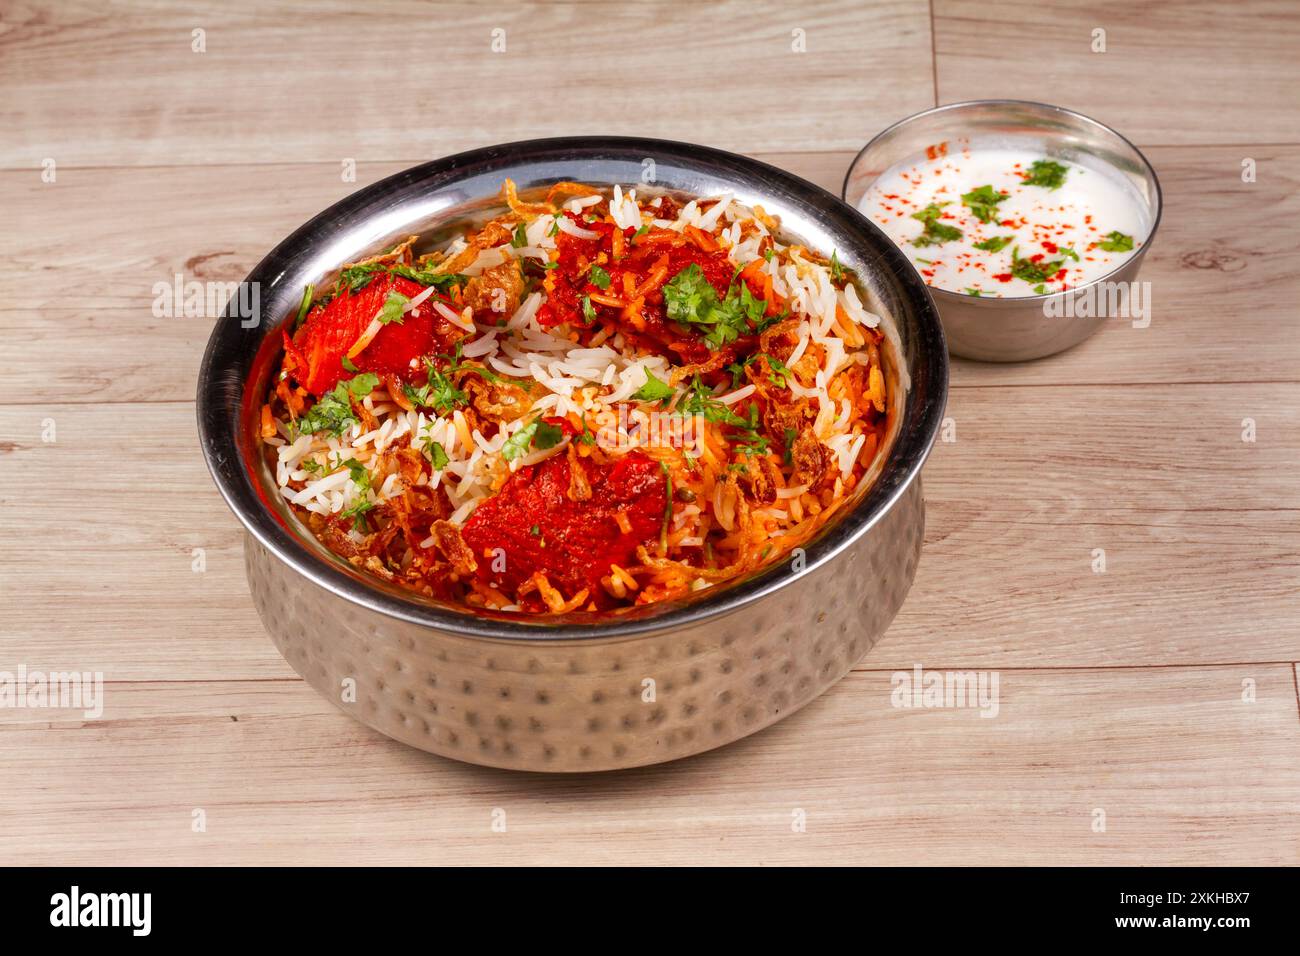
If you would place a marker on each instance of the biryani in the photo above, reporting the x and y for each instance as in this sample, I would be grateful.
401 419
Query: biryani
596 400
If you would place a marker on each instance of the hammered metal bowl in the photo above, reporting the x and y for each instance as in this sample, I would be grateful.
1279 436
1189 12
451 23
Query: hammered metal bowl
580 692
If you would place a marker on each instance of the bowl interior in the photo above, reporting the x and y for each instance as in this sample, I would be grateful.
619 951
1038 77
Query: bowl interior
437 200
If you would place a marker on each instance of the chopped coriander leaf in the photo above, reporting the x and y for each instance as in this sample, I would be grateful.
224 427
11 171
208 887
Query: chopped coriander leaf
692 300
975 292
357 472
935 233
535 531
639 233
1116 241
778 371
837 270
537 433
587 437
357 512
438 392
305 307
754 443
1069 253
1031 271
437 455
555 228
995 244
1040 289
700 401
927 262
392 309
737 370
983 202
599 277
653 390
333 413
348 364
588 310
520 238
356 278
1045 172
553 264
769 252
789 436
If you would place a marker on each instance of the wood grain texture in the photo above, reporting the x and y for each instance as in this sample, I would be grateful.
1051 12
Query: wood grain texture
1164 692
1221 273
1185 771
1201 533
405 80
1174 72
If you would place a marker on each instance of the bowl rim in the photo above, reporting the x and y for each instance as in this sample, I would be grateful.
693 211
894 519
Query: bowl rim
993 302
225 368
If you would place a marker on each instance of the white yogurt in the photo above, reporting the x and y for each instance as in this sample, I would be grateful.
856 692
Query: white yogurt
1038 239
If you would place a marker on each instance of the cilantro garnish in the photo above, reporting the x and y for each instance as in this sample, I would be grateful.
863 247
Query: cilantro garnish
520 238
995 244
935 233
333 413
983 202
1116 241
1045 172
588 310
1031 271
837 270
437 455
778 371
356 278
305 307
439 391
357 472
653 390
357 512
599 278
537 433
392 309
692 300
975 292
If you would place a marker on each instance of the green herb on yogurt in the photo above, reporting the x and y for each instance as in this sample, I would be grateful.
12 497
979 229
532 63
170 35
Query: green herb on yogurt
935 233
1116 241
983 202
1031 271
995 244
1045 172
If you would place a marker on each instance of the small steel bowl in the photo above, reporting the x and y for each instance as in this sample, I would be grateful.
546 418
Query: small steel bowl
1025 327
583 691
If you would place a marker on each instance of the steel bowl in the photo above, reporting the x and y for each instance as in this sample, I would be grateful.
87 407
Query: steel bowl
584 691
1026 327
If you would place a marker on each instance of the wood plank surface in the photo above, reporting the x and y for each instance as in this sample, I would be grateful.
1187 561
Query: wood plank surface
1158 751
1173 72
398 80
1201 533
1221 273
1163 692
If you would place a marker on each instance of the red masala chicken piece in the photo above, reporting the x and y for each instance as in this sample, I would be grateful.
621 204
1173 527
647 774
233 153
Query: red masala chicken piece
538 526
331 330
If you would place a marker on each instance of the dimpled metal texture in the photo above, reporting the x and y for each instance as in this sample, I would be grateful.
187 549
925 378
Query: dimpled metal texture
595 705
583 691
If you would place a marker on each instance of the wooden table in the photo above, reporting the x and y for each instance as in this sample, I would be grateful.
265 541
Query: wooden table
1162 692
